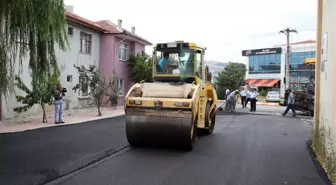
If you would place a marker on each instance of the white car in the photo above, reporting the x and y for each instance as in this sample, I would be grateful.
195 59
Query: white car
273 96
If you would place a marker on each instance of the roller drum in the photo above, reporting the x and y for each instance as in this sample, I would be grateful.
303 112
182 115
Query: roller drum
174 130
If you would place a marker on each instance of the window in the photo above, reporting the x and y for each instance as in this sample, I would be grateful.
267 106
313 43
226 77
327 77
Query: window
121 87
265 64
123 51
85 42
180 61
297 58
198 69
84 90
70 30
69 78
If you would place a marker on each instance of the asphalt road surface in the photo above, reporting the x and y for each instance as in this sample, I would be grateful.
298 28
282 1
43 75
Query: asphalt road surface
38 156
244 149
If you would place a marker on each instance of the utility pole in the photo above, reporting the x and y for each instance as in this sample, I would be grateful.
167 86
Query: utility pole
287 32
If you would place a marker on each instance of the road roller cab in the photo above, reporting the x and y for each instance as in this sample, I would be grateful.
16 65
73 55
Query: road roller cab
178 104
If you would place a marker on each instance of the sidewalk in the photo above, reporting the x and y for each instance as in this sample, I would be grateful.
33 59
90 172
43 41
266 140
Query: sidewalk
72 116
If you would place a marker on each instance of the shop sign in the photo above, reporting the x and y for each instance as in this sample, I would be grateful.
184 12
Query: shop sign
265 51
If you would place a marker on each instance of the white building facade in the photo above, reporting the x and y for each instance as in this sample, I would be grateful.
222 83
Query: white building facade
84 49
267 66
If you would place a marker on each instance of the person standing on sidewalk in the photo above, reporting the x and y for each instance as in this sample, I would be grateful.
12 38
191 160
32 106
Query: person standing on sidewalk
59 92
253 99
243 94
290 103
248 95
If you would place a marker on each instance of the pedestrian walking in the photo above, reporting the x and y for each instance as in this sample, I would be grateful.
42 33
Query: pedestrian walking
243 94
253 99
290 103
59 92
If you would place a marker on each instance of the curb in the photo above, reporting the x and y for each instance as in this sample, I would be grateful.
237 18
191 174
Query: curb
258 103
94 119
245 113
67 123
269 104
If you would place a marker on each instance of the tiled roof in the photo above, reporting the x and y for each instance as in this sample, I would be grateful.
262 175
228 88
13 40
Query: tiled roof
301 42
83 21
104 26
114 29
109 26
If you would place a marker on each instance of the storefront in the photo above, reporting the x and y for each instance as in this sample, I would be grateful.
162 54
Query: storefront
267 66
264 68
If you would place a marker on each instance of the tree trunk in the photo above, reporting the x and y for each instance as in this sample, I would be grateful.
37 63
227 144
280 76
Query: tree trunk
99 111
44 114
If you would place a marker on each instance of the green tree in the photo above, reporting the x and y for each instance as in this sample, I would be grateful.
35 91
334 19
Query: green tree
27 28
98 88
113 90
232 77
142 67
41 93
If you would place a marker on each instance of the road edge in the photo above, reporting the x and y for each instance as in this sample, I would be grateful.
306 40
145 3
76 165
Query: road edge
65 124
320 170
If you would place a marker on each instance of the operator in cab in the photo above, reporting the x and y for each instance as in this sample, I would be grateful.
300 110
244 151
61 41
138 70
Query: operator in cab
164 62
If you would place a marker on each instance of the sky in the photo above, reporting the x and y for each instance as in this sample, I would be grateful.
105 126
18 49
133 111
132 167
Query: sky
225 27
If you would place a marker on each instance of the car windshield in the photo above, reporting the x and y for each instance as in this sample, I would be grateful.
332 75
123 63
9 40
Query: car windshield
273 93
179 61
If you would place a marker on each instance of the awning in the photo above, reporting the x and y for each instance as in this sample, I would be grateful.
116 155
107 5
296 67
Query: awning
263 82
309 61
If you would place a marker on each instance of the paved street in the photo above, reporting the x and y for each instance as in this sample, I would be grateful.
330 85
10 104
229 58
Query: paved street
37 156
245 149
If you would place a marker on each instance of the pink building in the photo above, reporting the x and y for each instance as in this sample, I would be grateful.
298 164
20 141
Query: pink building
100 43
116 43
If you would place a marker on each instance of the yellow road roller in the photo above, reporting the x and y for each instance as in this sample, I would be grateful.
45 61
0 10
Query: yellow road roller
178 105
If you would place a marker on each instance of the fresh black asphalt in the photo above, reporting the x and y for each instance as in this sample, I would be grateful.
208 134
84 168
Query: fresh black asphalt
244 150
37 156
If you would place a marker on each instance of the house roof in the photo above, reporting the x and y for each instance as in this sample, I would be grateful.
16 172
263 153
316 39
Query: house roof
83 21
301 42
109 26
114 29
104 26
